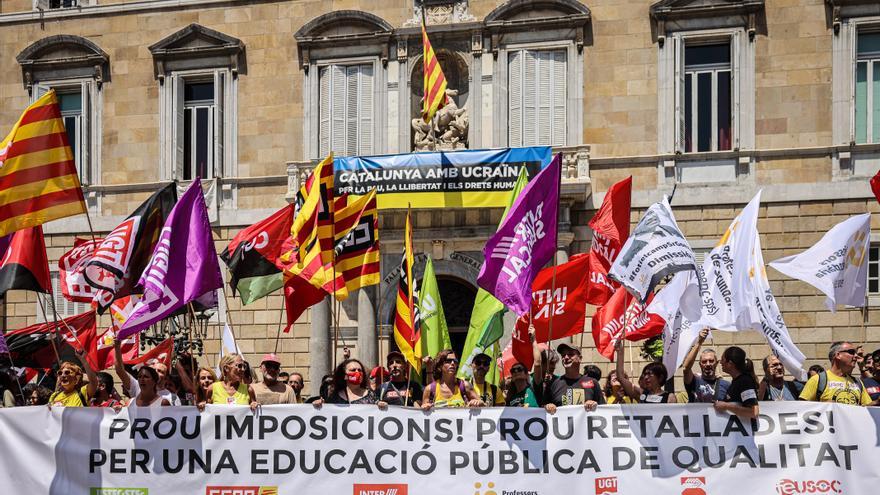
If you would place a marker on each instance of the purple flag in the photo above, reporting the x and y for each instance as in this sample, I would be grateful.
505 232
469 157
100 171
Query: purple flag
183 266
4 349
524 242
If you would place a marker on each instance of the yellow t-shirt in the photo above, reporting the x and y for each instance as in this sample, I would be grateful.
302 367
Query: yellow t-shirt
498 400
219 395
456 400
626 400
72 399
837 389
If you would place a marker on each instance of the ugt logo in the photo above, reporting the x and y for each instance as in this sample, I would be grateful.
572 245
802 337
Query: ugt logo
606 486
693 485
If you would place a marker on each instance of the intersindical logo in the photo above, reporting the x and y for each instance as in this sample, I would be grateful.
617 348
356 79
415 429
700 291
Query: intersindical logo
808 487
381 489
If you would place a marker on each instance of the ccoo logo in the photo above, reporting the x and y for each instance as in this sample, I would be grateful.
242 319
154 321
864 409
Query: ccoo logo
809 487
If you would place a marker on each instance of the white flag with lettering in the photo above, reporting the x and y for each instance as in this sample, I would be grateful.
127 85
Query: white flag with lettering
670 303
837 264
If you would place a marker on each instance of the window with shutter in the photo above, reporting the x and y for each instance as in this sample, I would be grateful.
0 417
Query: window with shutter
77 112
708 97
345 110
867 88
64 307
537 95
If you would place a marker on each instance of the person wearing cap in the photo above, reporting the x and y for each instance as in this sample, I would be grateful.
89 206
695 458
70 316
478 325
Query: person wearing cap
399 390
488 392
270 390
571 388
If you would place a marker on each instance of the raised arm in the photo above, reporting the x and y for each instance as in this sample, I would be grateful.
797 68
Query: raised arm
691 357
92 386
120 369
628 387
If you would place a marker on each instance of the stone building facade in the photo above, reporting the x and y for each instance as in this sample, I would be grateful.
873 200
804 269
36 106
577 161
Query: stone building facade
713 99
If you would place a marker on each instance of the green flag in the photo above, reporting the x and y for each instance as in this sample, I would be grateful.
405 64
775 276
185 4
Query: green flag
486 327
435 334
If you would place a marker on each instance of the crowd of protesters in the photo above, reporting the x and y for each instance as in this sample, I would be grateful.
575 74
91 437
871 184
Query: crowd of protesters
851 377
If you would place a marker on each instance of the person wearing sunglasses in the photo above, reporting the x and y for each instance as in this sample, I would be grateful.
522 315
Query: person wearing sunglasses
837 383
571 388
232 390
399 390
520 392
270 390
71 392
488 392
447 390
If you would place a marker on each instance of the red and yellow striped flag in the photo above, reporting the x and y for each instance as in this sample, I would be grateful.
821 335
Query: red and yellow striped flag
434 94
38 180
407 325
312 228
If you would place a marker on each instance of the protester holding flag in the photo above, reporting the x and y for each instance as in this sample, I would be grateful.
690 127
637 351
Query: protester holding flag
742 395
148 380
650 387
131 384
614 393
72 392
837 383
706 386
399 390
351 385
571 388
232 390
447 390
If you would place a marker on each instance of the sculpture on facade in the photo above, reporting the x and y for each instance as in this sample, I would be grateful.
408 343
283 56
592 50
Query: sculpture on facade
448 130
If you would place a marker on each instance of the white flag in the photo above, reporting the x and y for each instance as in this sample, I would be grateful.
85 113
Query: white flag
728 299
655 249
837 264
227 344
770 320
671 304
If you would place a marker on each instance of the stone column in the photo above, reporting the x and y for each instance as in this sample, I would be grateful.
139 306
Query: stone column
367 339
319 344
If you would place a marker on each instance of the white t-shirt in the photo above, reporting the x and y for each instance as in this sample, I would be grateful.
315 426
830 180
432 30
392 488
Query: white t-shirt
134 389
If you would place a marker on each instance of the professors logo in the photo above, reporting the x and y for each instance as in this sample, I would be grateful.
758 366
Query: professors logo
606 486
241 490
809 487
693 485
383 489
119 491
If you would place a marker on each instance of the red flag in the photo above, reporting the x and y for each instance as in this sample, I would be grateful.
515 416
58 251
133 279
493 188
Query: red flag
71 266
564 297
32 346
623 309
161 352
522 344
101 355
24 265
610 230
80 334
299 295
875 186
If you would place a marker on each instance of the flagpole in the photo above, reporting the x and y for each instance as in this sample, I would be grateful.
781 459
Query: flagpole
280 317
555 264
46 319
17 379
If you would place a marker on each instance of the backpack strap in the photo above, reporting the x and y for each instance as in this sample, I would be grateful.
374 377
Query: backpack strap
82 398
823 382
463 389
432 387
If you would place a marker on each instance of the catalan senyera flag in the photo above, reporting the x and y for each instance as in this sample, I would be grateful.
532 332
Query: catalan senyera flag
434 80
407 327
313 220
38 180
355 261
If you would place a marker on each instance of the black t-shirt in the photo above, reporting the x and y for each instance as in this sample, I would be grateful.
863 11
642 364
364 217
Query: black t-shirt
370 398
564 391
743 390
395 394
873 387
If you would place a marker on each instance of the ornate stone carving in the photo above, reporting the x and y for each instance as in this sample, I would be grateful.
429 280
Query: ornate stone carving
440 12
448 131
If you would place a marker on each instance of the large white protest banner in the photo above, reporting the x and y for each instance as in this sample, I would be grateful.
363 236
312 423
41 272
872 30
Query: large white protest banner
361 450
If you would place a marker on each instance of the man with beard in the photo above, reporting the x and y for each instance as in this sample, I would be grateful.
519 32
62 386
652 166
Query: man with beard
707 386
774 386
490 394
297 382
399 390
837 383
270 390
571 388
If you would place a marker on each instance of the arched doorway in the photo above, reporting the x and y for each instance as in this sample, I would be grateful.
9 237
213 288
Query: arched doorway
457 297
